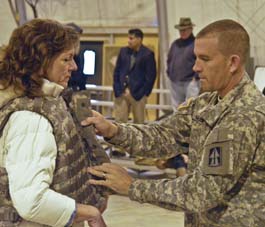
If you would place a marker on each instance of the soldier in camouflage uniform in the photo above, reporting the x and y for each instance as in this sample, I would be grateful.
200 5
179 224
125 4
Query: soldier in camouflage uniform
44 151
224 127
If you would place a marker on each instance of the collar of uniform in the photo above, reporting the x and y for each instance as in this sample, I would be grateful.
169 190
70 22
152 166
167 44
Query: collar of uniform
51 89
212 112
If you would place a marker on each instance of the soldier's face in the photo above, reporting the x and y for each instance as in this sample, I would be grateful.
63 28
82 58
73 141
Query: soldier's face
211 65
61 68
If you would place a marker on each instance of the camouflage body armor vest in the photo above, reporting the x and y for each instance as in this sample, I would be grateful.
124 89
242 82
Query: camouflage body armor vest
74 152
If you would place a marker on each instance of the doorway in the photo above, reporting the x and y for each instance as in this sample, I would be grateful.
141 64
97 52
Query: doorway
90 64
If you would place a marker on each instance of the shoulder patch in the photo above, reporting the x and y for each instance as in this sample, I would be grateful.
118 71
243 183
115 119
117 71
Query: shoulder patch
215 157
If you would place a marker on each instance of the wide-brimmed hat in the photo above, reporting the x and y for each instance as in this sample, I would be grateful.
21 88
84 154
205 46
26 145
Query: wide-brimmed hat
184 23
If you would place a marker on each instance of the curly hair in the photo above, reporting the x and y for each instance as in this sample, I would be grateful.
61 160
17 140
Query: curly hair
31 50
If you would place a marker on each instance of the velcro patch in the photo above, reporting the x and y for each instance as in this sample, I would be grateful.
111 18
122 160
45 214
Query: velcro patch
215 157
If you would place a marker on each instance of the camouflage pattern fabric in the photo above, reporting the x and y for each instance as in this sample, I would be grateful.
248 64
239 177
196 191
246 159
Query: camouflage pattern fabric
226 173
145 161
80 109
70 175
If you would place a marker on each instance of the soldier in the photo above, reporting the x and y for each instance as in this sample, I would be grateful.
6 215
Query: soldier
44 153
224 128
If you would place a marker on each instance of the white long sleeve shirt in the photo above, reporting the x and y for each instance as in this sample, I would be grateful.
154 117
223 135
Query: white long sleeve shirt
28 151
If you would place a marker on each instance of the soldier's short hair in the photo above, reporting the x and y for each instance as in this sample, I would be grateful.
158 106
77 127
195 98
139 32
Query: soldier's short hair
232 37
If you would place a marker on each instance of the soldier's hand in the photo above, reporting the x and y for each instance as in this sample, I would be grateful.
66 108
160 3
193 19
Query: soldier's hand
102 126
112 176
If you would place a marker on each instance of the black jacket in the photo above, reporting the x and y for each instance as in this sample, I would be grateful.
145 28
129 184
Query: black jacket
140 78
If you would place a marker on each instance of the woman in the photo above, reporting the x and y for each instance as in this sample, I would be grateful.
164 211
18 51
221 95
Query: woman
43 178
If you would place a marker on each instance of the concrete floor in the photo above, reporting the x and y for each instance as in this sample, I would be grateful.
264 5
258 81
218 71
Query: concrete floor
122 212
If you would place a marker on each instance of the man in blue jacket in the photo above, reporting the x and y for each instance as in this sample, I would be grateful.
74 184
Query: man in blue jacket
133 79
184 82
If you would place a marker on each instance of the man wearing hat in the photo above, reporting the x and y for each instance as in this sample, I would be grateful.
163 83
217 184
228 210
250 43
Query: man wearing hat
184 82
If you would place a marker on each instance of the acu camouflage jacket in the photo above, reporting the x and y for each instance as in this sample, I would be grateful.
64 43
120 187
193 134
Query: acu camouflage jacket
226 179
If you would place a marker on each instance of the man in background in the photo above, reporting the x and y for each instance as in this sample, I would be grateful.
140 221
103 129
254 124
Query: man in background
133 79
77 80
184 82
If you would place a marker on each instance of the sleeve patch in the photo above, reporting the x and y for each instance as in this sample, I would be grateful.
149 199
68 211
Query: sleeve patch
215 157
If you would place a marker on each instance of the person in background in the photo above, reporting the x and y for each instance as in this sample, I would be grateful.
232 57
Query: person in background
184 81
224 127
43 161
77 80
133 79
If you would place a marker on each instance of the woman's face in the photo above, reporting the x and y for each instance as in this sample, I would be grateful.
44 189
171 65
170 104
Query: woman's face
61 68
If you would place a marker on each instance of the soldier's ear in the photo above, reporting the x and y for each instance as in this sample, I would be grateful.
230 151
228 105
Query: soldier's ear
234 63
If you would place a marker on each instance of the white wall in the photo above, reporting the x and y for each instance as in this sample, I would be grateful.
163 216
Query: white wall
142 13
7 23
86 13
100 12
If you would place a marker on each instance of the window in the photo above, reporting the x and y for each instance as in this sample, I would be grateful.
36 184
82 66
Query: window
89 62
